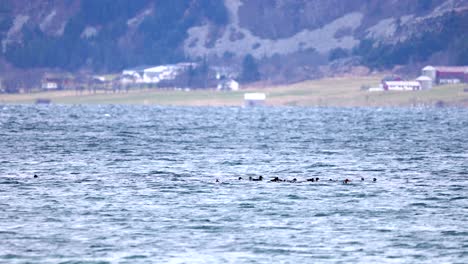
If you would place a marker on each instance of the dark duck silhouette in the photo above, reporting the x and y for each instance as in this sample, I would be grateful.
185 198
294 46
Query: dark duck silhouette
276 179
258 179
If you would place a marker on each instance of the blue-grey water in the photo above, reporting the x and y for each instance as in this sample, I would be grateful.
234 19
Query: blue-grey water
137 184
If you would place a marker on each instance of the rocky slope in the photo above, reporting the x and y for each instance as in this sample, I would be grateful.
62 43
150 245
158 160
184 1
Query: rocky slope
290 39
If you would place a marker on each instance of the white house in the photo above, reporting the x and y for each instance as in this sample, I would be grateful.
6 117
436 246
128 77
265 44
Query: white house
100 78
136 73
159 73
155 74
228 84
50 84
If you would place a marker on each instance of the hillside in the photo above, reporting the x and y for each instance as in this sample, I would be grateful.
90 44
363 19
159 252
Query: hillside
289 39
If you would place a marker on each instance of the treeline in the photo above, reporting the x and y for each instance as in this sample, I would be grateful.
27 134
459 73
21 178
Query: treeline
159 40
452 35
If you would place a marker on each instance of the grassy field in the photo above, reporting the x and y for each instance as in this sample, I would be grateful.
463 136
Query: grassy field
326 92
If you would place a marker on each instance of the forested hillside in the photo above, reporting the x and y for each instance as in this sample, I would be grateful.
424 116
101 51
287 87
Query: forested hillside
293 37
103 36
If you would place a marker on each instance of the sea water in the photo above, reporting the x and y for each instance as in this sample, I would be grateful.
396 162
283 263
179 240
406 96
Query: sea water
137 184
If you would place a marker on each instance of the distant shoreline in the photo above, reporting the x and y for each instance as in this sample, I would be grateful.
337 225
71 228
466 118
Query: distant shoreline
332 92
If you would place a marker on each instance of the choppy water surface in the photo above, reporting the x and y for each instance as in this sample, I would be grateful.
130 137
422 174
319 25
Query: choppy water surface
137 184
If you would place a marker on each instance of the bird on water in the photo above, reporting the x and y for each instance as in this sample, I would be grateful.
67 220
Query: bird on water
276 179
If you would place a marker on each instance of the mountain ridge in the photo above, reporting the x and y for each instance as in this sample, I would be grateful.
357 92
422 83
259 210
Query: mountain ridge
287 37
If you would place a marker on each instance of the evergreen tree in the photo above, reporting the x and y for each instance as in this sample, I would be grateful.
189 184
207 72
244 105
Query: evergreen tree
250 71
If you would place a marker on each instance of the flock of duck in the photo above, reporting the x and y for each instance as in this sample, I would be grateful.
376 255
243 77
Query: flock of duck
277 179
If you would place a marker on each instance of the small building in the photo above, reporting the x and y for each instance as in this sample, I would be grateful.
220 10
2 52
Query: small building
50 84
425 81
126 79
254 99
401 86
228 84
57 80
100 78
136 73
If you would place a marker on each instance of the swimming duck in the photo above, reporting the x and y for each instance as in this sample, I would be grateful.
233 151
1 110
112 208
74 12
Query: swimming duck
276 179
258 179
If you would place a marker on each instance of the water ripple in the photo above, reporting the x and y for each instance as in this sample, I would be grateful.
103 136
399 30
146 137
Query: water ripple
137 184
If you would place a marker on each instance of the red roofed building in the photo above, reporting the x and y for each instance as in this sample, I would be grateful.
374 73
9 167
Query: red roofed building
447 74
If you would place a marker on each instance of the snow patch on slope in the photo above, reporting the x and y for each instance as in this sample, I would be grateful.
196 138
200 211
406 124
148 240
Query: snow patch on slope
18 24
384 29
136 21
47 21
